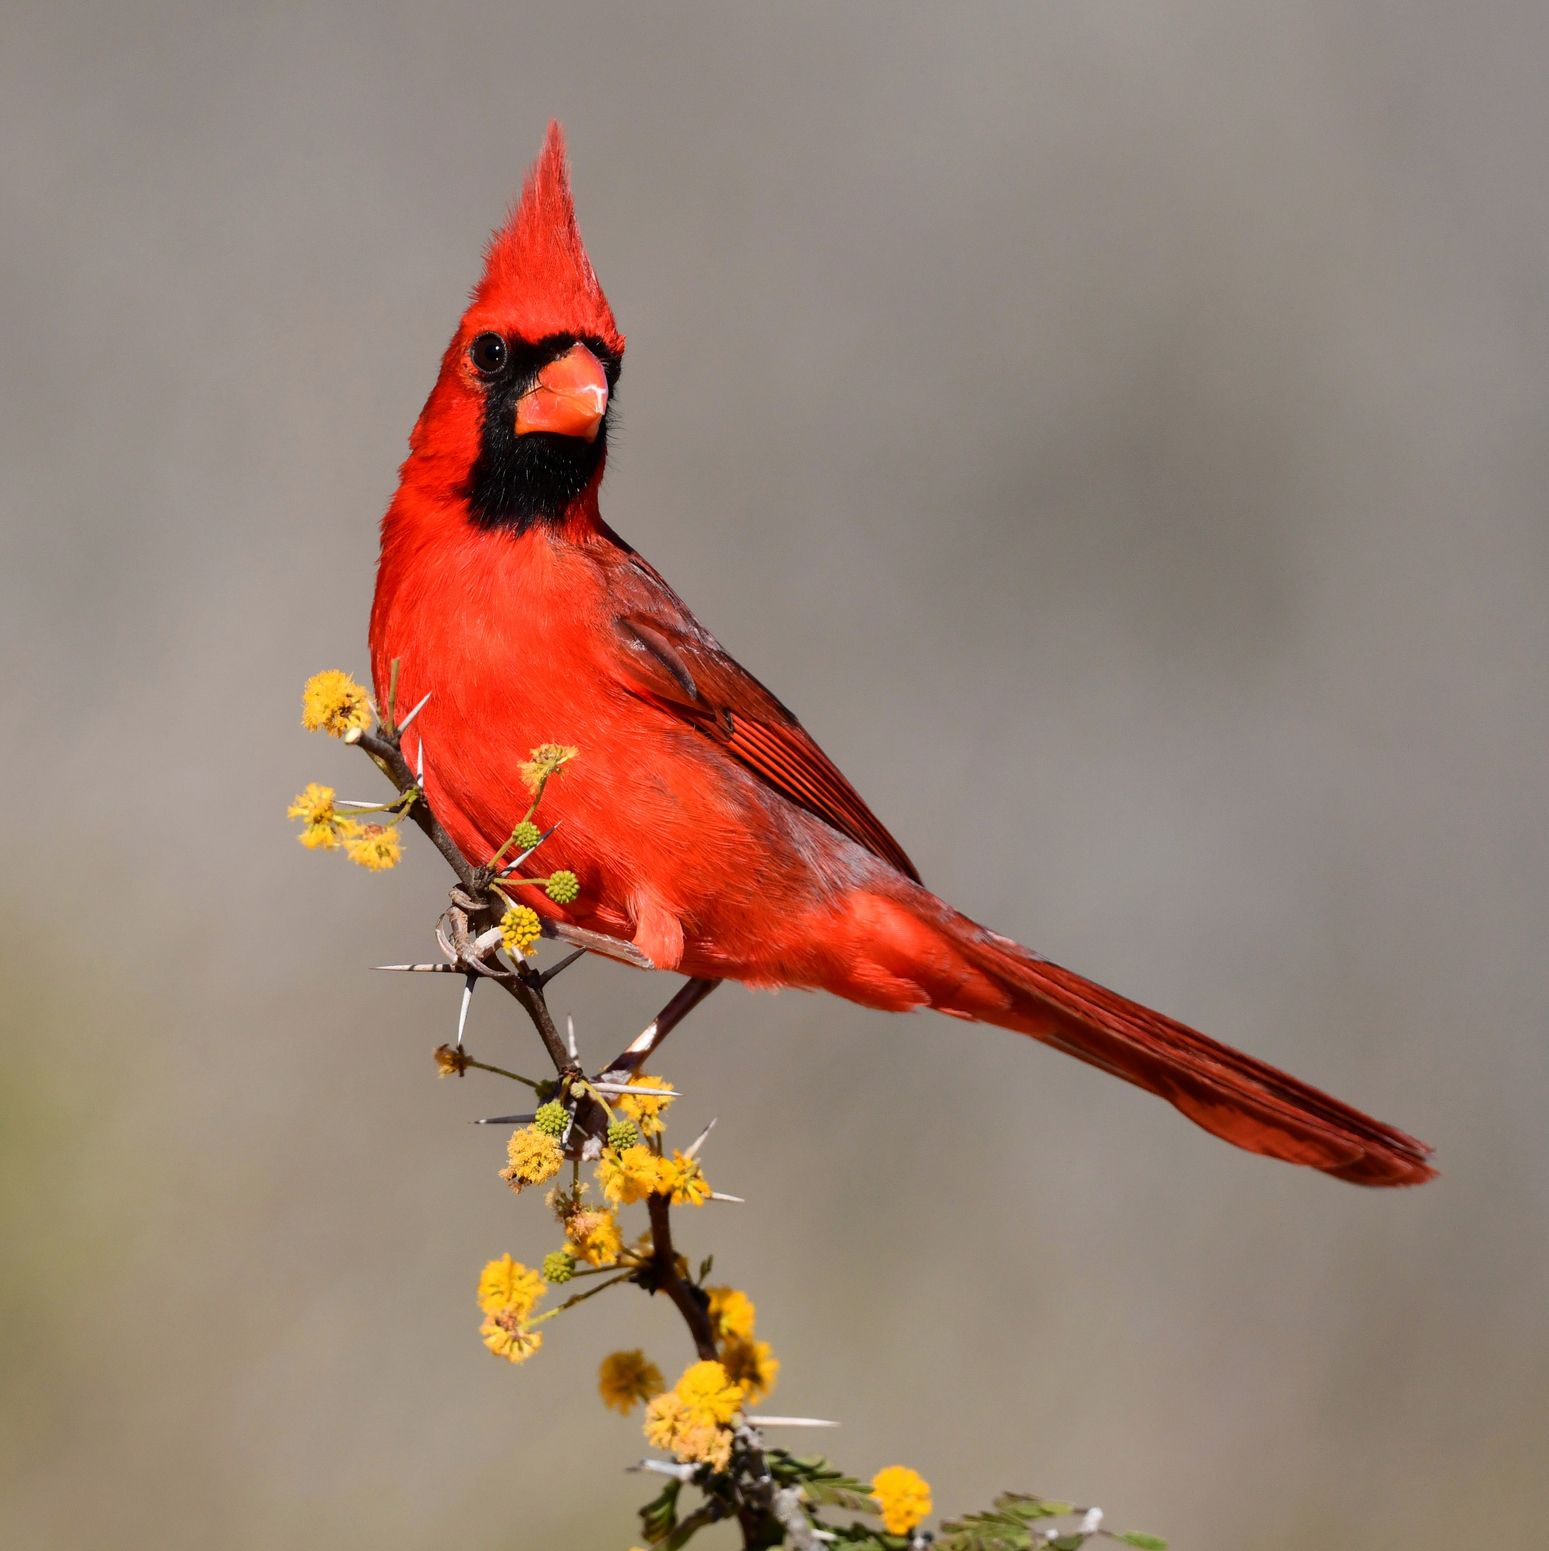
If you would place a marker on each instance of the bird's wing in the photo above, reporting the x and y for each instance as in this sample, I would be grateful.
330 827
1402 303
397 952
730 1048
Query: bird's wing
674 662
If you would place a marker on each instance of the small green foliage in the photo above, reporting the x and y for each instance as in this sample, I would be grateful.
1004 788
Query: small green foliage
659 1517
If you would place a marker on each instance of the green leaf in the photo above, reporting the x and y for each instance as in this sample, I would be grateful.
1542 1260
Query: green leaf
1141 1542
659 1517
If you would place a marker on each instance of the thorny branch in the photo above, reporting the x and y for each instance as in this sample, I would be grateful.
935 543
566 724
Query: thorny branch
473 914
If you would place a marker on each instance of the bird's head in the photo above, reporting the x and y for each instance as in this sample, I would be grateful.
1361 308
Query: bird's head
517 425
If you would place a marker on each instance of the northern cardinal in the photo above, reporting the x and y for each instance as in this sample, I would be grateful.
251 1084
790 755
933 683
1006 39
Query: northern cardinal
704 824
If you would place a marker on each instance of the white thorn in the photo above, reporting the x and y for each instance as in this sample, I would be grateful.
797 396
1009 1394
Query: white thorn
469 982
1091 1522
622 1087
511 867
419 765
349 802
643 1041
720 1195
420 969
570 1036
505 1120
789 1421
692 1150
667 1467
403 726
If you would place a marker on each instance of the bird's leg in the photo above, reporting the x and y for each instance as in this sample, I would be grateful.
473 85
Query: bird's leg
640 1049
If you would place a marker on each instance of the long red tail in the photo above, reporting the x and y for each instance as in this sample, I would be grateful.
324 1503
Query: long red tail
1244 1101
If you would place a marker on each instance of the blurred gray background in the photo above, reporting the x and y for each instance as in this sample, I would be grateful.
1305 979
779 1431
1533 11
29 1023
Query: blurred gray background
1118 429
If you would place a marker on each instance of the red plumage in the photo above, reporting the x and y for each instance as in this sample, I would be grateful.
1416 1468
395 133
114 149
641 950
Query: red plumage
702 821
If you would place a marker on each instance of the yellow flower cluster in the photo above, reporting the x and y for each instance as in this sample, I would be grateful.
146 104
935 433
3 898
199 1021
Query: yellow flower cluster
546 759
520 929
750 1362
903 1498
376 847
533 1156
626 1378
373 846
322 829
646 1109
334 703
508 1293
630 1174
693 1420
594 1237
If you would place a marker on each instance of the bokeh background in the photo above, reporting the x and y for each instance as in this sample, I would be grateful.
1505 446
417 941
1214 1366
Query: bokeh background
1119 429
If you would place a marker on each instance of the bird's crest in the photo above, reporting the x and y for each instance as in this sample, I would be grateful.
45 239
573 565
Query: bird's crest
537 277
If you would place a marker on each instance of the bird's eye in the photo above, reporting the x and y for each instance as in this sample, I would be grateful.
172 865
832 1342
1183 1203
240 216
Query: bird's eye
488 353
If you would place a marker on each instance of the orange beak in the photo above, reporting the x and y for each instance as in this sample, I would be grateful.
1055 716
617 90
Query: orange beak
569 398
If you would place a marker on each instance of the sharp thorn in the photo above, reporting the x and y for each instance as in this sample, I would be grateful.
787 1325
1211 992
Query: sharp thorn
789 1421
603 1086
350 802
720 1195
564 963
503 1120
469 982
403 726
643 1042
421 969
665 1467
570 1036
419 765
511 867
692 1151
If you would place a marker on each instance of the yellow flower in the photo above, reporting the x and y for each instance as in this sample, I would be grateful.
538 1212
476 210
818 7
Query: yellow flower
506 1336
708 1393
376 847
595 1237
546 759
646 1109
534 1156
731 1314
626 1378
520 928
334 703
752 1364
686 1180
631 1175
508 1284
322 828
450 1060
669 1425
903 1497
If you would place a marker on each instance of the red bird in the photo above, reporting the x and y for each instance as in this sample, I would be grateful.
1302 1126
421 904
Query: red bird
704 824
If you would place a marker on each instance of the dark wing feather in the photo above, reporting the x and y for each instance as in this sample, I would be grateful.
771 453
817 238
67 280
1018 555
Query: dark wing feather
678 665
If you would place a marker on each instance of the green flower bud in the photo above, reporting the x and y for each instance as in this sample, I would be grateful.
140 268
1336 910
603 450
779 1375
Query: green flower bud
552 1118
559 1266
563 888
622 1134
527 835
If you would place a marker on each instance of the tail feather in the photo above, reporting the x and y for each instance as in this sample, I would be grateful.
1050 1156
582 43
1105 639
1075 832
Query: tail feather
1234 1096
